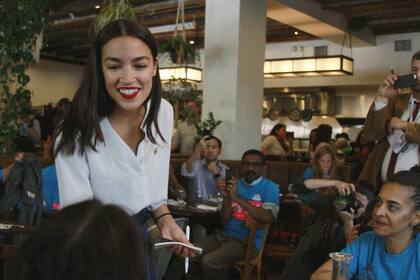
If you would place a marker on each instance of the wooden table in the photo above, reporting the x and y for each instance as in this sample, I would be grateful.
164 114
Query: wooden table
209 219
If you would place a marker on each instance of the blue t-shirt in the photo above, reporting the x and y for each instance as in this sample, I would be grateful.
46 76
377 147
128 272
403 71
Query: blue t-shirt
371 259
308 173
263 193
50 187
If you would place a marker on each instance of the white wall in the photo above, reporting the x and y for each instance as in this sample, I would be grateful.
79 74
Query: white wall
371 64
51 81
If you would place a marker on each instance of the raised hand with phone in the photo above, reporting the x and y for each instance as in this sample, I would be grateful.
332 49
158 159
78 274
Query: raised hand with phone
203 170
393 121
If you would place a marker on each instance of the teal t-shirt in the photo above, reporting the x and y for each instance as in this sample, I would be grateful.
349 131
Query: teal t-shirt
264 193
371 260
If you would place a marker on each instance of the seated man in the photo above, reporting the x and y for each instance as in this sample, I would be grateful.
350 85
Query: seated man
253 195
203 173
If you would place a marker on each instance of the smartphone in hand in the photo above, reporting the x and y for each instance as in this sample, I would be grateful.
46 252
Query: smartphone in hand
406 81
164 242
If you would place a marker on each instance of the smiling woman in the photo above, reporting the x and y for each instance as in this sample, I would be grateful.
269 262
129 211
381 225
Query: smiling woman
114 145
392 251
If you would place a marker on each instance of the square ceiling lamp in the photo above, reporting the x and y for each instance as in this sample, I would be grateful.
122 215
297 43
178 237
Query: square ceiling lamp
188 73
338 65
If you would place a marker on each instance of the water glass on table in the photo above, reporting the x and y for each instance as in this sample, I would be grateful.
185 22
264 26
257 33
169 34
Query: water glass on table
181 196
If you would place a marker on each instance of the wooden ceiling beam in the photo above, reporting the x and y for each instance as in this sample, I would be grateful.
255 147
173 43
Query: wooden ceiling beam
334 4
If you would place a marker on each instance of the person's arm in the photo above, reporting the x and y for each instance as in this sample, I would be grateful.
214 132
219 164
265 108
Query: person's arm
226 211
73 178
381 110
324 272
6 171
348 221
195 156
266 144
258 213
170 230
342 187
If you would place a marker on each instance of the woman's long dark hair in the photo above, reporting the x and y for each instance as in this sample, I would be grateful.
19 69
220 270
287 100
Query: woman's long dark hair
91 102
86 240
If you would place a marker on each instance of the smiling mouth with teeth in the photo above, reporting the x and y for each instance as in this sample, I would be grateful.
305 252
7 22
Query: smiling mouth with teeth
129 93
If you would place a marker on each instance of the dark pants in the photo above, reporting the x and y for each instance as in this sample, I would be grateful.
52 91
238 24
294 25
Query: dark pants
140 219
220 252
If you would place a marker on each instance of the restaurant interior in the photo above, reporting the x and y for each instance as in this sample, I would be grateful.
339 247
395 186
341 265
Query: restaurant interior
313 62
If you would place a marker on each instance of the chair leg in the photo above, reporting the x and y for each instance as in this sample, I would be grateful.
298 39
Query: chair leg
259 271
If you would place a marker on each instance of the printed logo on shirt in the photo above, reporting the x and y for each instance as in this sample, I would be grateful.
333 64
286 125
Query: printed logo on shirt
241 214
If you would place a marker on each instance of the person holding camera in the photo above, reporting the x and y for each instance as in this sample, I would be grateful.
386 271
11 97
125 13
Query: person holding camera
203 168
252 195
393 121
392 250
345 215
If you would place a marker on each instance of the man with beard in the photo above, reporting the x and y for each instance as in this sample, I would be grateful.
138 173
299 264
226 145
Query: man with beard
253 195
203 169
393 121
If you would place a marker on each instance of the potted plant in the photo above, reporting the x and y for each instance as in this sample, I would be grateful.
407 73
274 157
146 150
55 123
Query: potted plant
207 126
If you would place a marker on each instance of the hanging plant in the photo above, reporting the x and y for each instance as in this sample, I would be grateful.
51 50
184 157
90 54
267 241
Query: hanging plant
177 89
114 10
179 50
20 25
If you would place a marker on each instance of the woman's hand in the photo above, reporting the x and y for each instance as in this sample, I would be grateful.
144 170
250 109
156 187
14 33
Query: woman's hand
344 188
354 234
170 230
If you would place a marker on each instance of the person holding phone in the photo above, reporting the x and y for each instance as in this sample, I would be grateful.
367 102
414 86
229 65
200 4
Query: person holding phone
114 145
393 121
253 195
203 169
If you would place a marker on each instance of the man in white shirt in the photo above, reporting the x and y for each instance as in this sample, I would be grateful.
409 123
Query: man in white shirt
394 121
269 122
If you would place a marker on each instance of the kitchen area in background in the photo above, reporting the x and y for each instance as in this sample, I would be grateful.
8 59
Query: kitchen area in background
305 108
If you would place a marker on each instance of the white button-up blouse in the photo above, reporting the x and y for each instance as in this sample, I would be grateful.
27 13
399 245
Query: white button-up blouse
114 174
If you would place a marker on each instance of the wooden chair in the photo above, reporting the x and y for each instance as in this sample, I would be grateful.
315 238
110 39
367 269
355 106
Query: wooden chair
245 267
284 252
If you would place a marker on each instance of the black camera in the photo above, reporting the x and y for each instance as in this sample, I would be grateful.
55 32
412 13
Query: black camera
345 202
406 81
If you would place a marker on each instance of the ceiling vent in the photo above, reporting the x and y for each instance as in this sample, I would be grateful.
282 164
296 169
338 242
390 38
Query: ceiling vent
402 45
321 51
